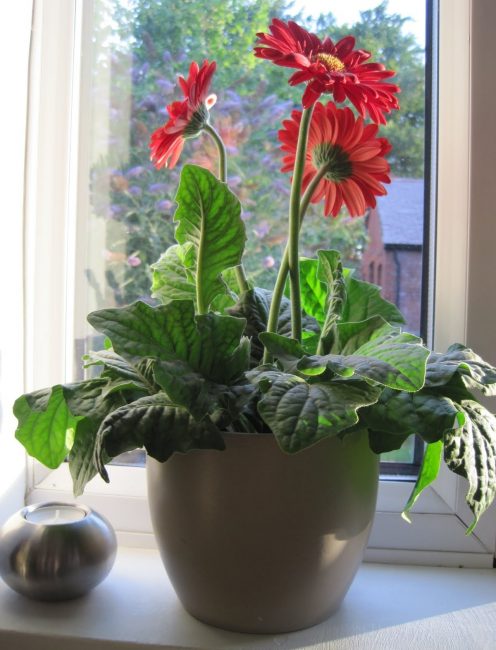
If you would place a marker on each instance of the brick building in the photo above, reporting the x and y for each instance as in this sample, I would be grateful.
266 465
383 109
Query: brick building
392 258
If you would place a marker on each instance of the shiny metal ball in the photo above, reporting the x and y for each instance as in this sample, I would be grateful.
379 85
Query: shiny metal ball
56 561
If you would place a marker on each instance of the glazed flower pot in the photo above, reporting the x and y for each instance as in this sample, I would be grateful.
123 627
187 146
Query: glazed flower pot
255 540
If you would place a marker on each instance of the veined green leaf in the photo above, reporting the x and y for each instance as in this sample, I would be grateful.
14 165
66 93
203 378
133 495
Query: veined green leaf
209 217
140 331
471 453
91 398
93 401
46 426
300 414
351 336
184 386
254 306
425 413
81 457
428 473
364 300
392 358
313 289
287 350
173 274
120 372
474 371
331 271
154 423
211 344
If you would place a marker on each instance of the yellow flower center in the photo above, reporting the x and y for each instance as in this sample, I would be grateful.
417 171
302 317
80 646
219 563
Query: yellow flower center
332 63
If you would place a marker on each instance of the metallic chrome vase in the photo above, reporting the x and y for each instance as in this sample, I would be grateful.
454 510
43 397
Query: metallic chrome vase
45 557
256 540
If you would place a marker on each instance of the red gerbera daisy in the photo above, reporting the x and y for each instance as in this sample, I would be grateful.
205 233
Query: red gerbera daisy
330 68
351 152
186 118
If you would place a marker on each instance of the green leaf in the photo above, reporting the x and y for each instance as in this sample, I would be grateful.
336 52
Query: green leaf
81 457
364 300
300 414
351 336
427 414
428 473
46 426
313 289
471 453
91 398
287 350
475 372
383 441
331 271
254 306
156 424
121 374
209 217
392 358
140 331
93 401
184 386
63 422
221 353
211 344
173 275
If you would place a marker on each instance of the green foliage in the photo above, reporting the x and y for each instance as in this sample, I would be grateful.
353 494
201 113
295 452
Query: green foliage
174 380
300 413
46 426
429 470
471 453
209 218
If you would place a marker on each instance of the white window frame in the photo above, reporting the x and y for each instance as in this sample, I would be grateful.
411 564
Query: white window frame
15 35
437 535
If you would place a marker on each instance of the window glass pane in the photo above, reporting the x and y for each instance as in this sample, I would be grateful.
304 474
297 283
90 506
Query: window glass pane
137 50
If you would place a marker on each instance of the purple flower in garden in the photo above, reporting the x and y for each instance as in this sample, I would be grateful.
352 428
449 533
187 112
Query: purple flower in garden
268 262
134 190
261 229
163 205
246 214
116 210
166 86
133 260
133 172
157 188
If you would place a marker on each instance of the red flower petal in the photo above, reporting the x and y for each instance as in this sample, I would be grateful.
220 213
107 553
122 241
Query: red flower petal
337 69
166 142
357 167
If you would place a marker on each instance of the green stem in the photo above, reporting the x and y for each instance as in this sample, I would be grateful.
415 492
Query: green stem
240 272
241 278
278 292
221 149
294 224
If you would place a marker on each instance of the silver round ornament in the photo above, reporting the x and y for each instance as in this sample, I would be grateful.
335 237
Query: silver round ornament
56 551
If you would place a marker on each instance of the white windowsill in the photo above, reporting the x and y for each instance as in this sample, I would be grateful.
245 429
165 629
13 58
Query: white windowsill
387 607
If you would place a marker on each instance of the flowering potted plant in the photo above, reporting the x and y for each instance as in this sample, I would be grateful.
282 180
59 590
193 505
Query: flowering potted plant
300 393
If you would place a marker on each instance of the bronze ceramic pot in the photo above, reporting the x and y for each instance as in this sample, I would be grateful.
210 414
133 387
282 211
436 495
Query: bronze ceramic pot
256 540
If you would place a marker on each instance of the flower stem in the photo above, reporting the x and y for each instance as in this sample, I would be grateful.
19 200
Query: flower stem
221 149
294 224
240 272
278 292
